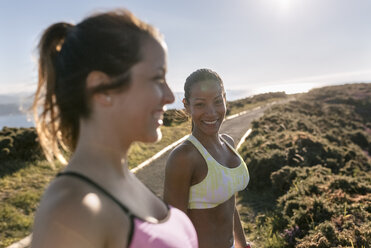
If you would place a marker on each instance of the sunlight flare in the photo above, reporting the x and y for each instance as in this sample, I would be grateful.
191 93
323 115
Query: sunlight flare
284 5
93 202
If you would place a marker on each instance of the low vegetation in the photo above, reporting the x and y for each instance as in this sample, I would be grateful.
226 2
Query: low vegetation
254 101
20 195
24 172
309 163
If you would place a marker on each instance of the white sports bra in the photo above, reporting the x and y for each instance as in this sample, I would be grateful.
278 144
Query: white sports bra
220 183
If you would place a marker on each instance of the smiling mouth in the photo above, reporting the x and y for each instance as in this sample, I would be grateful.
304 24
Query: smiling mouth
210 122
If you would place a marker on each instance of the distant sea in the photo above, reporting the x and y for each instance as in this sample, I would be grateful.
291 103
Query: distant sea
22 120
18 120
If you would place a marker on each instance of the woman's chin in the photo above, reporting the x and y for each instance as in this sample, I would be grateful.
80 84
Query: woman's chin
210 130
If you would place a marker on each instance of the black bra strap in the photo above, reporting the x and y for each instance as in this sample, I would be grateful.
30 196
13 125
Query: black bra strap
97 186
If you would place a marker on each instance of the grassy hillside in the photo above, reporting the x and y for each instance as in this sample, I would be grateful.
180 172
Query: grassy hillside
24 173
309 163
253 101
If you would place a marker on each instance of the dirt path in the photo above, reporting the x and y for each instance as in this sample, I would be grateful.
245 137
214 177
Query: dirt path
153 174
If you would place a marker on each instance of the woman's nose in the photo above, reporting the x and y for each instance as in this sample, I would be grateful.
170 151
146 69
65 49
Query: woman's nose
168 95
210 110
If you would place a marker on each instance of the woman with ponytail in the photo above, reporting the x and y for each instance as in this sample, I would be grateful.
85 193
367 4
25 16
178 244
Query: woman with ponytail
102 87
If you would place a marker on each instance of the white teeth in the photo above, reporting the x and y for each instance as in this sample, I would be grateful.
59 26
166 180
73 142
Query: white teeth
210 122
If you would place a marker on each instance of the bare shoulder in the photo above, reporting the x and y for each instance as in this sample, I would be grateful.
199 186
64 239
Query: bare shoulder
229 139
180 168
183 157
73 215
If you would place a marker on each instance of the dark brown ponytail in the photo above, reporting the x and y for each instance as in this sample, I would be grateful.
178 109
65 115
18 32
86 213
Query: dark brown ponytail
46 121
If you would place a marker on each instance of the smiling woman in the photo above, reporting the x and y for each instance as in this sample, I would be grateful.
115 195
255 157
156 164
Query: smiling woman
102 87
205 171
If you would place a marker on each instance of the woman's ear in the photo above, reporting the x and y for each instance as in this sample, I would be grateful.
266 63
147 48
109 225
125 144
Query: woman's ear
95 79
186 105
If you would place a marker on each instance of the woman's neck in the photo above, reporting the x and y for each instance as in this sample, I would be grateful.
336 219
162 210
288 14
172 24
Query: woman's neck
98 152
207 140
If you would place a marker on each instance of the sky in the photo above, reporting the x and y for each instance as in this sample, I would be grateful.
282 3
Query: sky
255 45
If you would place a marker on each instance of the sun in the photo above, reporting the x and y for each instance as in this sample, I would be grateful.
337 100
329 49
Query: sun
284 5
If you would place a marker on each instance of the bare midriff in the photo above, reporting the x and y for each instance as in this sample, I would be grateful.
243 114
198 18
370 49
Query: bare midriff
214 226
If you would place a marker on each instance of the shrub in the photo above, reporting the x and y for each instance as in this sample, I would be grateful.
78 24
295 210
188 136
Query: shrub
261 168
314 153
359 138
173 117
283 178
20 144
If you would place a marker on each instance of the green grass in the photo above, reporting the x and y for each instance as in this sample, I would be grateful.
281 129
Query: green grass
20 195
139 152
22 182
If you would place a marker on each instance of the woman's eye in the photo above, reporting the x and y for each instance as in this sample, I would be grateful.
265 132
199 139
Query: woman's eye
199 104
161 81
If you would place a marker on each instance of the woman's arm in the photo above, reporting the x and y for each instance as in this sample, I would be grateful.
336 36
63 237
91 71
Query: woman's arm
238 233
178 176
